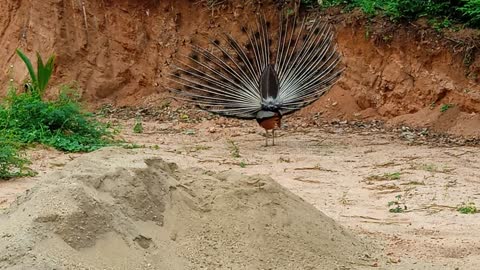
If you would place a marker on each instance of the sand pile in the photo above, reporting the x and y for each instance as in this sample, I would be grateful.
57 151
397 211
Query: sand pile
125 209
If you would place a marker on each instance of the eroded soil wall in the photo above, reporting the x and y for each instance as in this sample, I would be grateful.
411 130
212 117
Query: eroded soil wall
120 52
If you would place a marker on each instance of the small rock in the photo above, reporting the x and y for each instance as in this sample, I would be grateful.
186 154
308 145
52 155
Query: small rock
408 135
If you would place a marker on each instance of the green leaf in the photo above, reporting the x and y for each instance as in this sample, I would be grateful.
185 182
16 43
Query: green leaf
29 67
44 72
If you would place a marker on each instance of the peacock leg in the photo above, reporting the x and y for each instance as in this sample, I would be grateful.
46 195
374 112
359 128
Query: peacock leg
273 136
266 137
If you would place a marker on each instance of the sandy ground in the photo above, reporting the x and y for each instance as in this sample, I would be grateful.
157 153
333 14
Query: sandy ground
129 209
351 177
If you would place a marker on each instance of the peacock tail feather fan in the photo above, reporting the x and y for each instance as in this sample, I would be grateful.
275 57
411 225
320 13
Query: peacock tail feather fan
272 71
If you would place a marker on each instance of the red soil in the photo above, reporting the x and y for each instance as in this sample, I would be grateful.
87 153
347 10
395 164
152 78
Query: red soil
120 52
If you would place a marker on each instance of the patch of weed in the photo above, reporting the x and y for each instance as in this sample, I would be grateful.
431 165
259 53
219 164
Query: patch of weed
440 24
467 208
430 167
384 177
202 147
392 176
234 149
445 107
12 161
196 148
184 117
155 147
133 146
59 123
398 205
138 127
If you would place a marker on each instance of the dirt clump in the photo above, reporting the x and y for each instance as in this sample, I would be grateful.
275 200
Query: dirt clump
126 209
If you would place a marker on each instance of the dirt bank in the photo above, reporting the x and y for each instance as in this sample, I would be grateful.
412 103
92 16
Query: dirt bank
405 75
120 52
124 209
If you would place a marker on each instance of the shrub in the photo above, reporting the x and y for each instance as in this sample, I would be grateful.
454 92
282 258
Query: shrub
25 118
12 163
461 11
471 12
59 123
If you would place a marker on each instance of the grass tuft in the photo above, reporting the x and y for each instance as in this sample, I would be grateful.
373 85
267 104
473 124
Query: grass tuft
467 208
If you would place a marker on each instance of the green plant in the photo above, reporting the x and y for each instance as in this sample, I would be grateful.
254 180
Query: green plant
445 107
26 119
369 7
409 9
444 13
155 147
242 164
398 205
12 162
439 24
289 12
384 177
332 3
426 167
133 146
184 117
138 127
392 176
40 78
467 208
202 147
429 167
234 149
60 123
471 12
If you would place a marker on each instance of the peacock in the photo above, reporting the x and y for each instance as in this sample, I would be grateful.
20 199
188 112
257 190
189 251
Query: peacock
264 74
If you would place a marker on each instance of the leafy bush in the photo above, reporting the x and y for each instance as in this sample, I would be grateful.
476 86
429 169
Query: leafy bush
471 11
25 118
461 11
12 163
59 123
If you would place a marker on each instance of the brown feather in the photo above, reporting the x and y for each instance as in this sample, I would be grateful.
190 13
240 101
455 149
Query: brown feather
271 123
